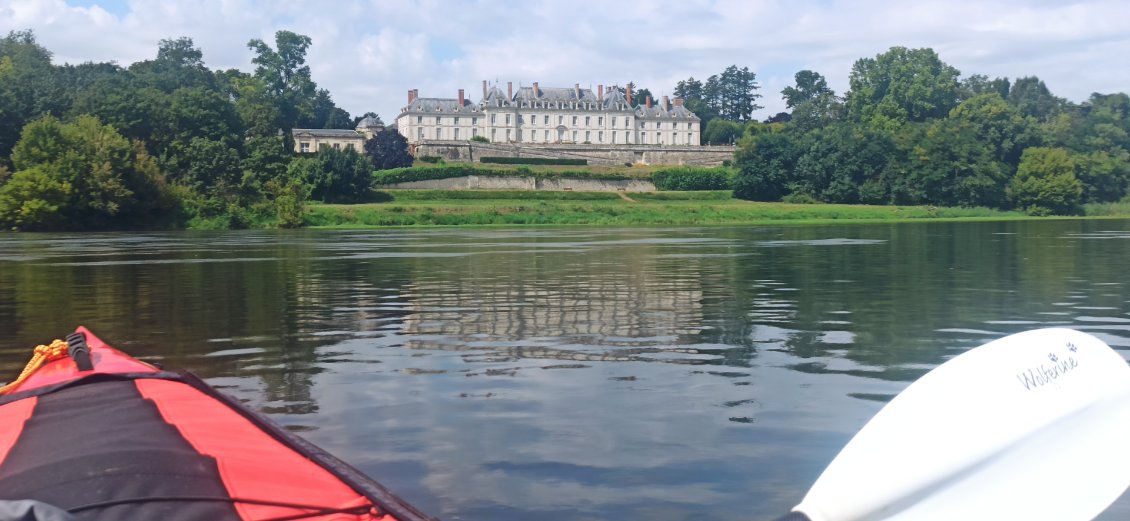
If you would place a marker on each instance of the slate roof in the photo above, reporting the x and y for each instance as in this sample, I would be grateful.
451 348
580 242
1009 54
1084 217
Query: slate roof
659 112
440 105
370 122
326 132
563 94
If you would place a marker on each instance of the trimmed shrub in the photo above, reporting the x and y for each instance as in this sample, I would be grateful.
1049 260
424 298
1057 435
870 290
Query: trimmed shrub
430 159
692 179
532 161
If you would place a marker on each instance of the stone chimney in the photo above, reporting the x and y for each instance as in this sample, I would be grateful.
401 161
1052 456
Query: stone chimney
649 102
678 102
411 96
537 93
666 106
629 95
577 90
484 90
509 90
600 92
460 98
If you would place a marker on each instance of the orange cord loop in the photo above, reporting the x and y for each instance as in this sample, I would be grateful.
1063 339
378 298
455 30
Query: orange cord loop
42 355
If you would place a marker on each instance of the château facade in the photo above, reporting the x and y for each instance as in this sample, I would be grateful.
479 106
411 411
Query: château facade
310 140
537 115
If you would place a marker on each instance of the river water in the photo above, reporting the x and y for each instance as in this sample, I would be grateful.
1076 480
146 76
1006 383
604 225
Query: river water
572 373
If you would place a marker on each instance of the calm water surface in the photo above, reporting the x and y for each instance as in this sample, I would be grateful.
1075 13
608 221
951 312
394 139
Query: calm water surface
572 373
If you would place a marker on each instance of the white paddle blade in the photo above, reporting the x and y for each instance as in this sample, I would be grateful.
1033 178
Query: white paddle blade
1033 426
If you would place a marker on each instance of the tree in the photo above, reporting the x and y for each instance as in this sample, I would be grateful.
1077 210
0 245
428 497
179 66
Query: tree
81 175
1045 183
334 176
179 64
1032 98
902 85
844 163
809 86
327 115
286 77
28 86
978 84
388 149
640 95
722 132
732 95
949 164
997 126
694 99
765 165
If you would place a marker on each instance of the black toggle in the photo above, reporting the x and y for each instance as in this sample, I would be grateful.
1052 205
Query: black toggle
76 347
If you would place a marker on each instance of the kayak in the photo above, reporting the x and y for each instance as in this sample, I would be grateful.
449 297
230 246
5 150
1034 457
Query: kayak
93 433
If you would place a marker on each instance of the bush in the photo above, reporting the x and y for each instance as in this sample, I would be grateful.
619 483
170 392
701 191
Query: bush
1045 183
450 170
480 139
430 159
533 161
692 179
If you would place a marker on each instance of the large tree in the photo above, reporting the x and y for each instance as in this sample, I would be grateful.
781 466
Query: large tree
388 149
81 175
809 86
28 87
1045 183
732 94
286 77
902 85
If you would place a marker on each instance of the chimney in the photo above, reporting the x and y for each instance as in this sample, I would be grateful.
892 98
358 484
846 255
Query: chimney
460 98
649 102
411 96
537 93
484 90
600 92
629 95
678 102
577 90
509 90
665 105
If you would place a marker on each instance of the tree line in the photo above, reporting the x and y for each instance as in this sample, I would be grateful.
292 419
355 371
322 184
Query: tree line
911 130
167 142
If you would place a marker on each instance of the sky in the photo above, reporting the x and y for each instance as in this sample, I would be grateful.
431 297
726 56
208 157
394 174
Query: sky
370 53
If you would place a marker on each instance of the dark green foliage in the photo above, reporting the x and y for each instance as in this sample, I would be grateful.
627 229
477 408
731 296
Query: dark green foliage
430 159
902 85
1045 183
388 149
480 139
766 163
722 132
533 161
844 164
81 175
692 179
451 170
29 87
334 176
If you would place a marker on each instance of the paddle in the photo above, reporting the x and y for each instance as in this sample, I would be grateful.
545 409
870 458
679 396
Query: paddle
1034 426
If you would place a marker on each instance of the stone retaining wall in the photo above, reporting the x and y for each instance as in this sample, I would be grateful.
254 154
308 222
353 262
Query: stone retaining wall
480 182
471 151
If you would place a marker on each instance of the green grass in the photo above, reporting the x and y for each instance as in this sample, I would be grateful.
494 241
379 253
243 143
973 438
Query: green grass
443 208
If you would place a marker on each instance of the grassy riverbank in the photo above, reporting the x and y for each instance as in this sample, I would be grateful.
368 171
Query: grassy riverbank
442 207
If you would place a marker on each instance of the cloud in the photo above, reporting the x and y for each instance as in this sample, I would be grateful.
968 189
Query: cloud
369 53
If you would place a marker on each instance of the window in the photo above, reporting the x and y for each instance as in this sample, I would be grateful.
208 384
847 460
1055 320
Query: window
574 136
547 135
507 134
614 121
437 120
574 121
533 119
588 121
474 131
492 118
675 125
688 138
349 146
600 121
547 119
420 133
456 132
658 141
627 123
508 119
588 136
474 121
613 136
337 146
493 133
560 120
600 137
456 120
419 120
304 146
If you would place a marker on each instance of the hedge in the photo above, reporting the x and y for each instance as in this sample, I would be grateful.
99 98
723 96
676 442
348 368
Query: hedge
532 161
691 178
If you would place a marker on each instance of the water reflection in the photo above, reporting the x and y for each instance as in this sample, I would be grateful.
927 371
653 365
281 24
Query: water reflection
571 373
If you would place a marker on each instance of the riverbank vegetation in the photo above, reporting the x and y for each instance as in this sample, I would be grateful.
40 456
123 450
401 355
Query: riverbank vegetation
448 207
169 143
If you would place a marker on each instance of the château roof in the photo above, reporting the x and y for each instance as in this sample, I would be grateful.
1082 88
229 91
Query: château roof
658 111
326 132
439 105
564 94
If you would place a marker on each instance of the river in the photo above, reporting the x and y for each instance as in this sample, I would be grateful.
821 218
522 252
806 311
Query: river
572 373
